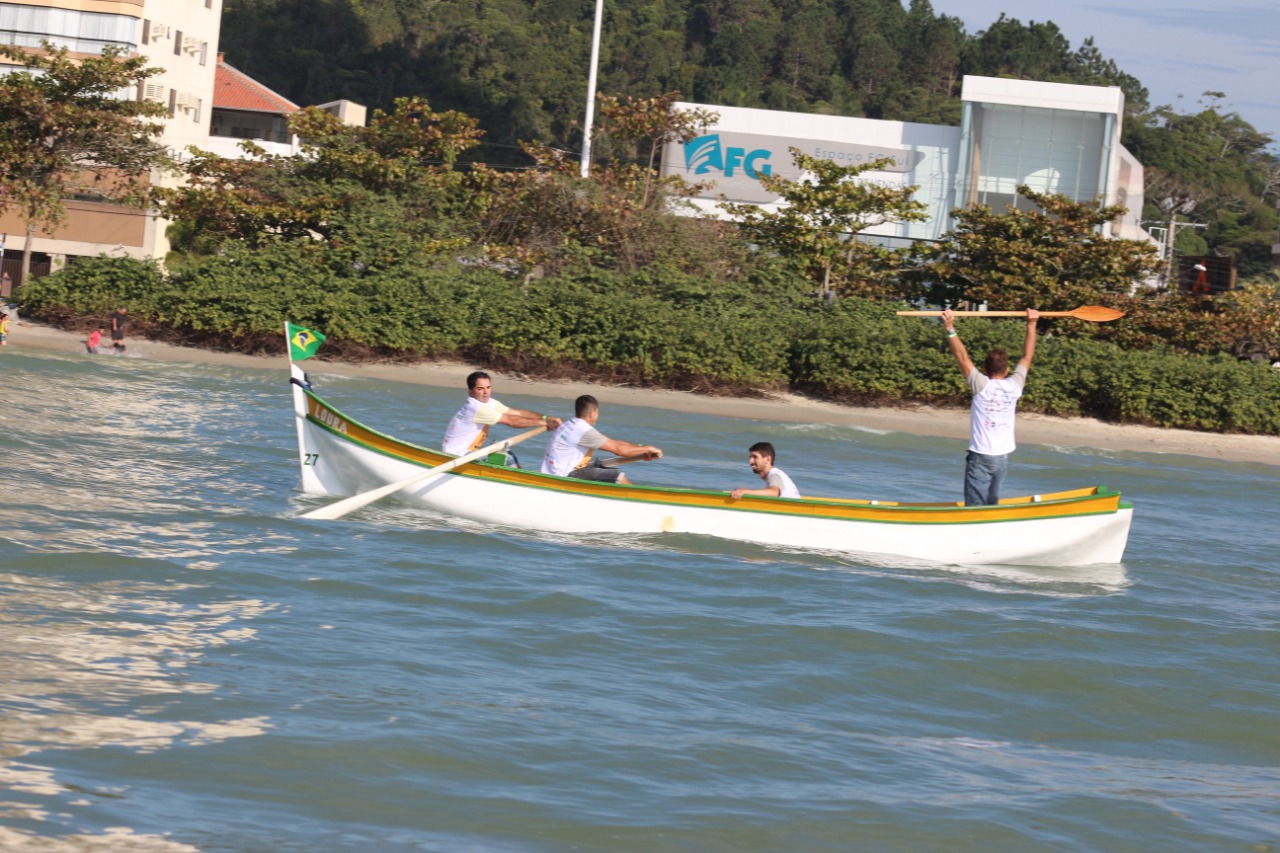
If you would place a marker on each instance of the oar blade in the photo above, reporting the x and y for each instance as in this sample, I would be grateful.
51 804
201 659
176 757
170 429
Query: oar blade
1096 314
338 509
353 503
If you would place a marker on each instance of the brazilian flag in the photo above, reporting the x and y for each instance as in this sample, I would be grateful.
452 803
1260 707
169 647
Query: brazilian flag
303 343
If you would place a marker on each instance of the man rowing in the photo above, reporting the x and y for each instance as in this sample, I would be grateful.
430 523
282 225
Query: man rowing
469 429
570 451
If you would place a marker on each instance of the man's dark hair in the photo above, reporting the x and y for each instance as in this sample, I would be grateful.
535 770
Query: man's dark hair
764 448
585 405
997 363
473 378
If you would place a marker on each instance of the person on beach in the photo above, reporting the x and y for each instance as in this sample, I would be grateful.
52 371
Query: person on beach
991 413
117 329
469 428
95 338
4 330
570 450
777 484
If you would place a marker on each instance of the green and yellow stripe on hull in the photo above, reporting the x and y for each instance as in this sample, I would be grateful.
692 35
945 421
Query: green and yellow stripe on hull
1077 502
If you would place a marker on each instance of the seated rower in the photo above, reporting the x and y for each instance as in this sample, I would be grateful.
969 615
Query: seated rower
469 429
777 483
570 449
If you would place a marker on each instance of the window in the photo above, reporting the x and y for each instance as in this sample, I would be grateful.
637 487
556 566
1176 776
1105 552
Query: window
83 32
1049 150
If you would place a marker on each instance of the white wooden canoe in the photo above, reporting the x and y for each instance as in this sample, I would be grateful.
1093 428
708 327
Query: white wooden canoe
340 456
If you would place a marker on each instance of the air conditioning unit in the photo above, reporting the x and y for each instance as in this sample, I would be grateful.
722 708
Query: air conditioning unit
191 44
154 92
160 31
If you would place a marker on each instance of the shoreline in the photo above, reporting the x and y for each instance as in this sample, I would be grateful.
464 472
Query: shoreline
928 421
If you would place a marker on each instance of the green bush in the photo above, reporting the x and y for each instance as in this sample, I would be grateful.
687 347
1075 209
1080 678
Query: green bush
648 328
87 291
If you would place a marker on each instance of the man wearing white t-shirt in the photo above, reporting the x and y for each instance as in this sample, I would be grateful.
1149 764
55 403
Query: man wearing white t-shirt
995 401
570 451
469 428
760 457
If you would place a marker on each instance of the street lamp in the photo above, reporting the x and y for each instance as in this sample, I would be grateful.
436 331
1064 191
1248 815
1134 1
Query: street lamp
1173 206
591 91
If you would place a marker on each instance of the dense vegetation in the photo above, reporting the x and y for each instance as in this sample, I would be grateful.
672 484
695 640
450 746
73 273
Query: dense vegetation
519 68
762 332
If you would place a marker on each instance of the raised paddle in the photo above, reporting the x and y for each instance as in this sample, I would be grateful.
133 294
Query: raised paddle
353 503
1088 313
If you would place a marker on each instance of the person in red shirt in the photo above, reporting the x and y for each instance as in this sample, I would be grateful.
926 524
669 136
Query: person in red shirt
95 337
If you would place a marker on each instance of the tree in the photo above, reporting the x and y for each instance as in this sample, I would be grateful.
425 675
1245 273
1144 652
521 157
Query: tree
821 217
1054 257
65 129
621 217
405 156
1219 160
639 128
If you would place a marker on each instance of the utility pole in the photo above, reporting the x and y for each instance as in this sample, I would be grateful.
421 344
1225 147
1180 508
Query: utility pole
1173 206
591 91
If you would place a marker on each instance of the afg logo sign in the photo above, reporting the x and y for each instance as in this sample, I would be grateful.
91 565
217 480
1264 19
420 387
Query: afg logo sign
706 154
732 163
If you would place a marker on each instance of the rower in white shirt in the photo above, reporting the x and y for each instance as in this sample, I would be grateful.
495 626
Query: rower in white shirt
570 451
469 428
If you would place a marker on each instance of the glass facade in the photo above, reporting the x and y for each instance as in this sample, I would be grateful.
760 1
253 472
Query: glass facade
1049 150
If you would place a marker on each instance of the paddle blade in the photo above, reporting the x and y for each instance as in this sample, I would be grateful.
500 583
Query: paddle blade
1096 314
346 505
338 509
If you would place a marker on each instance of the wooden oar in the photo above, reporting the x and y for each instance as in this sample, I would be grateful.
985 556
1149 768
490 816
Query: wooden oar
353 503
621 460
1088 313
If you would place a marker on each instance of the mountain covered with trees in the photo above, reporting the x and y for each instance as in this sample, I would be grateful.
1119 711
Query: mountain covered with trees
519 68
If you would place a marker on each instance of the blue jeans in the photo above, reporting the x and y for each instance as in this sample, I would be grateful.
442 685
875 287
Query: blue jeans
982 478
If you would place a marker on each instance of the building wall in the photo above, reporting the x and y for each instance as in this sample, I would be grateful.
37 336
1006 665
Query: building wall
745 143
179 36
1052 137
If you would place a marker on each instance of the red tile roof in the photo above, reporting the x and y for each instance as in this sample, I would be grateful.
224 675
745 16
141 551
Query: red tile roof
235 90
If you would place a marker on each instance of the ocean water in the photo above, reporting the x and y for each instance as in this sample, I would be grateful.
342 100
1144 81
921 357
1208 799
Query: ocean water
186 666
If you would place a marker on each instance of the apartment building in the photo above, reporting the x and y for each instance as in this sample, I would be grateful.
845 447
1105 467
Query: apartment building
179 36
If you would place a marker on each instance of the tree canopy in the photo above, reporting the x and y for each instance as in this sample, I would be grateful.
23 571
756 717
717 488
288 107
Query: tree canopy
71 126
520 68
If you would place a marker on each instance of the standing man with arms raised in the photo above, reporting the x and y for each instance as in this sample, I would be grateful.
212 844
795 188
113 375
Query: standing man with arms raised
469 429
991 414
570 449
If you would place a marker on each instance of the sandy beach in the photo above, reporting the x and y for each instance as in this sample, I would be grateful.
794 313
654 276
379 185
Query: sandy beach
790 408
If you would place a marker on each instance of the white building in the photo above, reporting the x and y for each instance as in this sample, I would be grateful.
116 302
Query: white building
1053 137
181 37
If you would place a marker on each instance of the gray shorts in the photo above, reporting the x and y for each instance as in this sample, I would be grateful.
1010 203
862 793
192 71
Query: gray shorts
597 471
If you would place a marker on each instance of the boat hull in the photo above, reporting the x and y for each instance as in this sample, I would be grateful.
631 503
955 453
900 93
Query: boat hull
341 457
